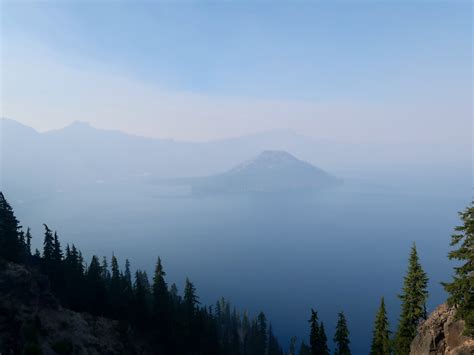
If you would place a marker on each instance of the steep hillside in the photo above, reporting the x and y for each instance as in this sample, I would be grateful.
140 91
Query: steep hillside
33 322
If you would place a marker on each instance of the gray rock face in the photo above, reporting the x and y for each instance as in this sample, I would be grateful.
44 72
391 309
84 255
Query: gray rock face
441 334
32 321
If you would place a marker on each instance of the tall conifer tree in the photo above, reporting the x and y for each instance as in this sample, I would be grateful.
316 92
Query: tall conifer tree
48 245
413 299
314 343
461 288
160 290
261 333
381 334
57 252
323 341
28 241
341 337
10 246
191 300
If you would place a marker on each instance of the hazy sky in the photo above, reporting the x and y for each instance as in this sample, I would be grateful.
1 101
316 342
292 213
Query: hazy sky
390 71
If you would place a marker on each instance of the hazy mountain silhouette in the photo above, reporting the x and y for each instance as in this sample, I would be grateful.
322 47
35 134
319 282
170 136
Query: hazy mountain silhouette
270 171
80 155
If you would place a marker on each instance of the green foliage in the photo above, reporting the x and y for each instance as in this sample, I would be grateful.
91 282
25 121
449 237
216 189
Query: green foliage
161 300
11 247
461 288
48 245
381 334
413 299
96 294
324 350
341 337
191 300
314 332
317 337
57 252
28 241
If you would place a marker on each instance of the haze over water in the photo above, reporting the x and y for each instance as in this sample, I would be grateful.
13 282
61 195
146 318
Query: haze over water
283 253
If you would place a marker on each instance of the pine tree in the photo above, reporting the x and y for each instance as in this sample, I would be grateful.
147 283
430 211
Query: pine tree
10 246
95 287
48 245
381 333
116 291
105 270
191 300
317 337
28 241
161 303
413 298
314 343
127 276
261 333
323 341
461 289
57 252
160 291
141 296
115 277
341 338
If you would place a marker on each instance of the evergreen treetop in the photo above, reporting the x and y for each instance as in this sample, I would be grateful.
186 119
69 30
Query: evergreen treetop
461 288
314 333
323 341
10 245
381 334
341 337
48 245
413 299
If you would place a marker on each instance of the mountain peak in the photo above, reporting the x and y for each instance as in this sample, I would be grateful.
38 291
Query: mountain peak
276 155
271 170
269 159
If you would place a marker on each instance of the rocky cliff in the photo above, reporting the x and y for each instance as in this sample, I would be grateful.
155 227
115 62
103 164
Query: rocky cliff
33 322
441 334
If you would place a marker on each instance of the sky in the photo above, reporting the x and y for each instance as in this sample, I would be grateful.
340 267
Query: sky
348 71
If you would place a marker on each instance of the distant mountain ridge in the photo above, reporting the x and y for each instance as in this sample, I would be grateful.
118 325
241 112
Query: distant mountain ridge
270 171
80 154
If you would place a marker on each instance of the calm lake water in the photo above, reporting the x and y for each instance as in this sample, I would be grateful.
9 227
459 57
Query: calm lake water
337 250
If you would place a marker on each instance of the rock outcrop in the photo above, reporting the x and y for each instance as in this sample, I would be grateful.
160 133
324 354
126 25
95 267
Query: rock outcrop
441 334
33 322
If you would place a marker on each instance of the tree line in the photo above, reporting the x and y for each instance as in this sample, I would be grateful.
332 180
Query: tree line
179 324
172 323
